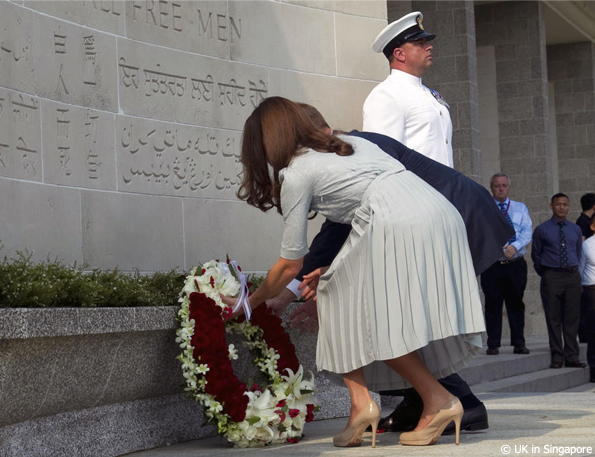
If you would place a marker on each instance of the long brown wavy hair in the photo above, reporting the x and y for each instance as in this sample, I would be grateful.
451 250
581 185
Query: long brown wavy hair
276 131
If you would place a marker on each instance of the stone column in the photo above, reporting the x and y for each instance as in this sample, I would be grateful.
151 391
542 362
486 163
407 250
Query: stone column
454 72
516 30
571 69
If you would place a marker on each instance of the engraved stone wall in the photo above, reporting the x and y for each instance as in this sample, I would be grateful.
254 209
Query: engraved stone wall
120 121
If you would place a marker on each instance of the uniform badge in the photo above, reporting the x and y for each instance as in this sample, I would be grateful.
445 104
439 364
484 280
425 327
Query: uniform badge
439 97
419 22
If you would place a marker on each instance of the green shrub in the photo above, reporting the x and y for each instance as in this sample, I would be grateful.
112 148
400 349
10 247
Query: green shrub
53 284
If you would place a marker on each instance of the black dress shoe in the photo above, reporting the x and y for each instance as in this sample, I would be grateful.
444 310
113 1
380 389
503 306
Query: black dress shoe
404 418
473 419
576 364
407 414
493 351
556 365
521 350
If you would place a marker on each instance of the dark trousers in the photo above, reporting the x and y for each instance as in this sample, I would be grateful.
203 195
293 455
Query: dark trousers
583 326
453 383
505 283
588 304
561 297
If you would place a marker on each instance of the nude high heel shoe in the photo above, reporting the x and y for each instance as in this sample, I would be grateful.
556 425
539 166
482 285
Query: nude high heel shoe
352 435
451 411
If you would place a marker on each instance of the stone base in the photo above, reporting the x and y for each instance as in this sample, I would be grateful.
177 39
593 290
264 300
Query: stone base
106 382
109 430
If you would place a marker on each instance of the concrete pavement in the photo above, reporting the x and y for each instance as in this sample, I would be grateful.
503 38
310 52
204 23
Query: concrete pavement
527 424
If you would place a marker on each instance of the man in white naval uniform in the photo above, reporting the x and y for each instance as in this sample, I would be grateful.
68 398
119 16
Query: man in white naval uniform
401 106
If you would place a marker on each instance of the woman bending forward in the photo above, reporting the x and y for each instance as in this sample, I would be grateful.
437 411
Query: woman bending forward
399 305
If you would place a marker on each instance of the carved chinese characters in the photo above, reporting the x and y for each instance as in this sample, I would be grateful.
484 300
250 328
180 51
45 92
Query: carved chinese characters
76 65
78 146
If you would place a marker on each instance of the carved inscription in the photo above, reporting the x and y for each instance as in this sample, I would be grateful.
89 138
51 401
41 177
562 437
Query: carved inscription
158 82
105 6
204 89
59 43
61 50
63 140
19 143
160 13
175 159
172 15
89 59
219 26
14 50
93 162
78 146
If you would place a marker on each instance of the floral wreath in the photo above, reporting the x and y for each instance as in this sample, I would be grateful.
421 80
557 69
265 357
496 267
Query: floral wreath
247 417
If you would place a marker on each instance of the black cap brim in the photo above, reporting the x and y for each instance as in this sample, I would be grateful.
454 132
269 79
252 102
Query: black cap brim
400 40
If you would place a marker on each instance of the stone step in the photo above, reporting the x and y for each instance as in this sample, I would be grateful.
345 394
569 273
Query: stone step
548 380
587 387
485 370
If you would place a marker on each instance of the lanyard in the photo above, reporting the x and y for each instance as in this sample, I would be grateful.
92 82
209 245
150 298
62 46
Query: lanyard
507 208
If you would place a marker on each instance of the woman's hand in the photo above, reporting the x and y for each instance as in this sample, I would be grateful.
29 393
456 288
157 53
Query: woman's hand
309 284
231 302
279 302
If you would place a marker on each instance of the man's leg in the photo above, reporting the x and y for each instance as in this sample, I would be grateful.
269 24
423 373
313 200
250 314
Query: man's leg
516 273
551 298
494 298
588 299
571 316
407 413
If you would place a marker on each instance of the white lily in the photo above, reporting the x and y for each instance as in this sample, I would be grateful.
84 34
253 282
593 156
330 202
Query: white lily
259 406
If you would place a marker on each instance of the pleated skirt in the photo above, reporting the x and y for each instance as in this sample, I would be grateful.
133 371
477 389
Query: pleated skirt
402 282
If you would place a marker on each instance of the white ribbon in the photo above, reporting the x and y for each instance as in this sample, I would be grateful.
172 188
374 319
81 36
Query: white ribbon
244 291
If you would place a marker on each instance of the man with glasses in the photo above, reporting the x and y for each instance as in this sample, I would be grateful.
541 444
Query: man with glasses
401 106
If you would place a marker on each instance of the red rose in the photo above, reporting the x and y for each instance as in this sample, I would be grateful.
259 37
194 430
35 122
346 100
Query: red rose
281 415
294 413
309 412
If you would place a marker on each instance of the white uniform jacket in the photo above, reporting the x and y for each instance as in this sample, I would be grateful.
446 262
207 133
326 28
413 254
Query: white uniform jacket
403 108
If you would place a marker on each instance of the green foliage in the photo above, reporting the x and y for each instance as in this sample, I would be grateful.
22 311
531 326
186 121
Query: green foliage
255 281
53 284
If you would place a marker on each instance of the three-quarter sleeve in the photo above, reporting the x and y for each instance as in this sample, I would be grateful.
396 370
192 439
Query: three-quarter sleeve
296 198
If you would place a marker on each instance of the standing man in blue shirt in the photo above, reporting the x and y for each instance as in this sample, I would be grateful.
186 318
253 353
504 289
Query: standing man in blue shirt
557 245
505 280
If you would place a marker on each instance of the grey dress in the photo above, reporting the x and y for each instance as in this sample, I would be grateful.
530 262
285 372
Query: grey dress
404 279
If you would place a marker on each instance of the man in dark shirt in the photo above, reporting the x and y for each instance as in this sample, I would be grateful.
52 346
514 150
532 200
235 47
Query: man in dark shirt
557 245
584 220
